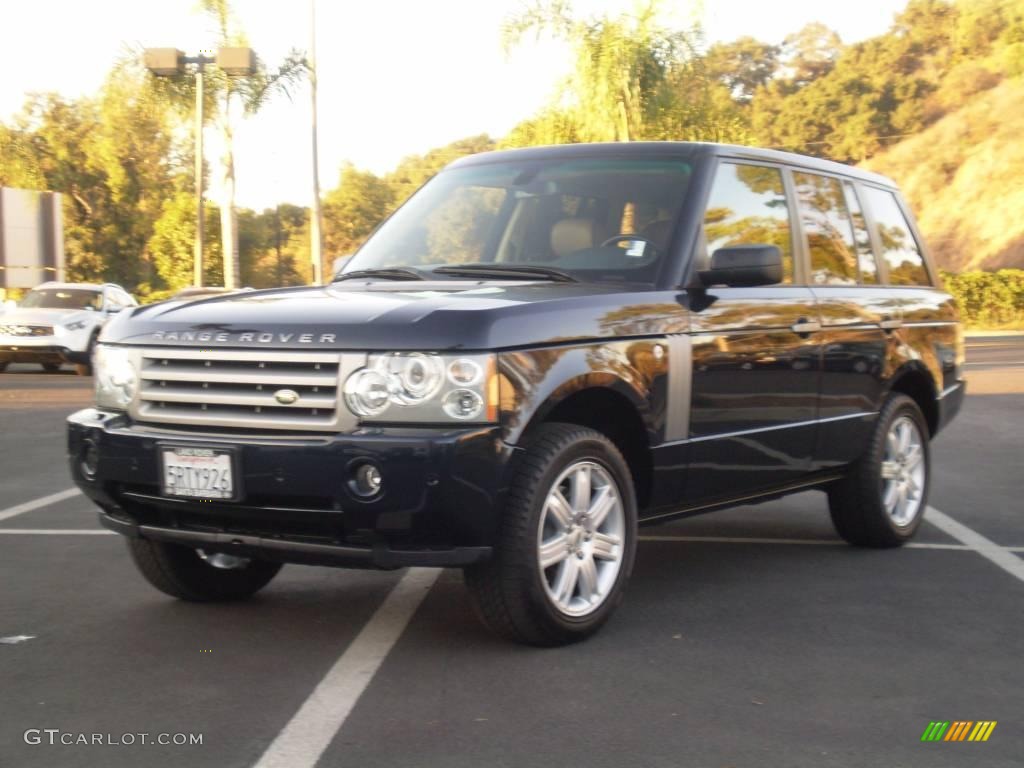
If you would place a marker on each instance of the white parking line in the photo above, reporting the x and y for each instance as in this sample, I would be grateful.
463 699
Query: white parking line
45 501
310 731
1001 556
56 532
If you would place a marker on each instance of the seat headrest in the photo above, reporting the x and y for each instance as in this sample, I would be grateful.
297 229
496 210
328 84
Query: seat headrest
571 235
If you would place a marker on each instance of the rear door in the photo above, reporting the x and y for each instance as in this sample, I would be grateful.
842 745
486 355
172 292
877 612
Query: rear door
755 351
858 315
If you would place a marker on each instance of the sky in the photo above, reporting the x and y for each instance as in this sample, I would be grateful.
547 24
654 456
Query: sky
396 77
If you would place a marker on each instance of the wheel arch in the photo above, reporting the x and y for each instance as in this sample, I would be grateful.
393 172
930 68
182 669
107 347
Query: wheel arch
915 381
607 409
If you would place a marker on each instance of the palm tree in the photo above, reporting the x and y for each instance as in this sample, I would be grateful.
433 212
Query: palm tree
254 92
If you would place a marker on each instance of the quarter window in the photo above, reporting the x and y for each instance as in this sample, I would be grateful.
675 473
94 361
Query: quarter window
902 256
828 227
748 207
866 263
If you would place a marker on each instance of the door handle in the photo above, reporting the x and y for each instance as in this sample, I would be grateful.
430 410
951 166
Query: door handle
803 326
889 324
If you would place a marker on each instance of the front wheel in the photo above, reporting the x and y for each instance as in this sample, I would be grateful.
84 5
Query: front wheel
567 541
881 502
197 576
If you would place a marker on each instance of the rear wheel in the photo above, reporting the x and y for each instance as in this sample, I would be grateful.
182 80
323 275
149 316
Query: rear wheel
3 366
197 576
567 542
882 500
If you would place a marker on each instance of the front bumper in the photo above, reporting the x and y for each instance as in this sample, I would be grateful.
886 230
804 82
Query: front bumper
439 504
40 353
62 347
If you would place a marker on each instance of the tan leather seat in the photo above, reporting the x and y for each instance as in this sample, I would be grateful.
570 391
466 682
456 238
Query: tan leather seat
571 235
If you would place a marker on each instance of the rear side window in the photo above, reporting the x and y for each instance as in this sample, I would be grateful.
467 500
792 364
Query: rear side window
866 263
828 227
748 207
901 254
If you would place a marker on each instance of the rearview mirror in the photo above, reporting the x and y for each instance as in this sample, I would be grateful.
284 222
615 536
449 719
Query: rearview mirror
744 265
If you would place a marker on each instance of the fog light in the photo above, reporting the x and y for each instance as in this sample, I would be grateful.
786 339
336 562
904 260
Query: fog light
366 480
90 459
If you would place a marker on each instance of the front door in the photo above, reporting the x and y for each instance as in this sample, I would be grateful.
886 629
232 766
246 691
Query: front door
756 351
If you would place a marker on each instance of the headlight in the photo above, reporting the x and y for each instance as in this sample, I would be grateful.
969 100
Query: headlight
116 378
420 387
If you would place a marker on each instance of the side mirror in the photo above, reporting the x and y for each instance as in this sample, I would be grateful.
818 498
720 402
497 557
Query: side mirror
744 265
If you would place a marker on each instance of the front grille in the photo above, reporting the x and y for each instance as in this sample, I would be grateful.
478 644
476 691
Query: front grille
244 389
26 330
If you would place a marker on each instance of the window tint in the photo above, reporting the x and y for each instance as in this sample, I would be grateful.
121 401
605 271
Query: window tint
901 254
865 253
748 207
828 228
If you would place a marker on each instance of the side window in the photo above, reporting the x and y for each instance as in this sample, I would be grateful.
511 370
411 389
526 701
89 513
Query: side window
828 227
901 254
748 207
866 263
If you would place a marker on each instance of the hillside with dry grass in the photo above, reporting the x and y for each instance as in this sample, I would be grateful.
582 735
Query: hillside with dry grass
962 176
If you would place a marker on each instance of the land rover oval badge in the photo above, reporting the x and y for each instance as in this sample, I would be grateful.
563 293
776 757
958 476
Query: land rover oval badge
286 396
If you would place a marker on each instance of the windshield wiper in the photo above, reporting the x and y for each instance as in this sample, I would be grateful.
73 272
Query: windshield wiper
507 272
386 273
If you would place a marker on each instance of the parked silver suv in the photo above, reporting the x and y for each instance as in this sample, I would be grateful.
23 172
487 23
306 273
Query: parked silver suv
59 323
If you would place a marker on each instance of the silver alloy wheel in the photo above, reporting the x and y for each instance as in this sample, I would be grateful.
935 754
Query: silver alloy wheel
904 471
224 562
580 538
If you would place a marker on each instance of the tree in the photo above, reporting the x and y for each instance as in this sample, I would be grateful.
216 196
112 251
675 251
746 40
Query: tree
254 92
743 66
633 78
619 65
353 209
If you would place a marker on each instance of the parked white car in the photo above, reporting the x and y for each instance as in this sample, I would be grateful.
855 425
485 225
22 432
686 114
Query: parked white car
59 323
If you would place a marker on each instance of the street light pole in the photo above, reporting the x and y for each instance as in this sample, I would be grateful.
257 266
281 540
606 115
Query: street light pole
170 62
197 259
315 237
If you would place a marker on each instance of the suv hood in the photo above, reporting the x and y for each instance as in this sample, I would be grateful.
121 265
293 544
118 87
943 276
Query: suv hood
437 316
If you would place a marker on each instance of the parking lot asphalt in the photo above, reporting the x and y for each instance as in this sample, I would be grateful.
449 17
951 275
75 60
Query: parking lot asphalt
749 637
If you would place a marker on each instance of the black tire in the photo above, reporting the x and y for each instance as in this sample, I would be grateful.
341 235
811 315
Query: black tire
51 367
856 502
508 591
182 573
3 366
85 369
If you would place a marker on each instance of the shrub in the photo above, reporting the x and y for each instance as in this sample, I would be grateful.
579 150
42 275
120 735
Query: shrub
988 299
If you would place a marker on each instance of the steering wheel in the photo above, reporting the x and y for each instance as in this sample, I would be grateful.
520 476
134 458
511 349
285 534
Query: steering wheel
629 239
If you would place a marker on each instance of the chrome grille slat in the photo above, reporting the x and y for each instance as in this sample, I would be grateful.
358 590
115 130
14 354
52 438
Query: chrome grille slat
236 388
211 374
237 397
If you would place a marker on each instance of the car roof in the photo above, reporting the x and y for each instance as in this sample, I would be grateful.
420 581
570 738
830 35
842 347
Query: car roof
688 149
53 284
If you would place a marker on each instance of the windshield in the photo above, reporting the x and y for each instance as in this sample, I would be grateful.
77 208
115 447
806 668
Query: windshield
593 219
62 298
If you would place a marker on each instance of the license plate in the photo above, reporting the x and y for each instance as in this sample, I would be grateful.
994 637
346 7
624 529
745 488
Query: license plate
198 473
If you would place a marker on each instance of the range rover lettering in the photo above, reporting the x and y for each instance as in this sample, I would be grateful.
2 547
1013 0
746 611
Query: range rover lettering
540 351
